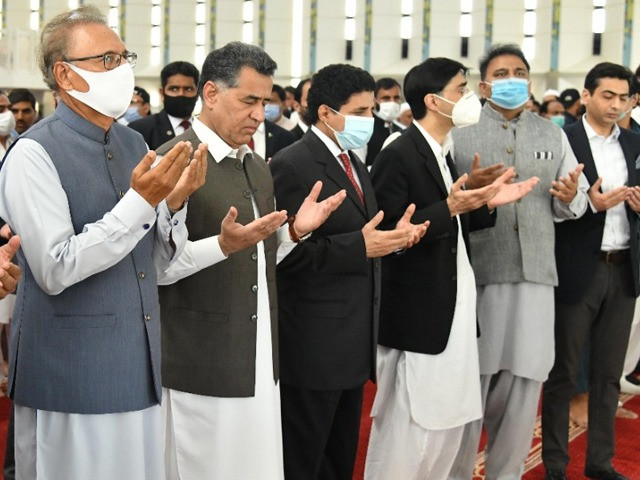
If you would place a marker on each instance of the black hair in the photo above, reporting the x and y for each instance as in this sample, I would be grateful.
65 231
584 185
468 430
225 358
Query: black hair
544 106
606 70
178 68
499 50
280 91
144 95
223 65
22 95
333 85
431 76
297 94
290 89
385 83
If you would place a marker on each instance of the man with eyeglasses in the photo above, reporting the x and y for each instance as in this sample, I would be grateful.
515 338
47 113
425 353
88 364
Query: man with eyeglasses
179 94
98 221
514 262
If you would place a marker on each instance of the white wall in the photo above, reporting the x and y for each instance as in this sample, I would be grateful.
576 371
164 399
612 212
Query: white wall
18 43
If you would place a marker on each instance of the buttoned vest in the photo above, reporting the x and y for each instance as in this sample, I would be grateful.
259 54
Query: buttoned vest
521 245
95 347
209 319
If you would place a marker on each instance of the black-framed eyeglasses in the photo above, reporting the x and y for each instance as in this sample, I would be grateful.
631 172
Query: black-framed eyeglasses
111 60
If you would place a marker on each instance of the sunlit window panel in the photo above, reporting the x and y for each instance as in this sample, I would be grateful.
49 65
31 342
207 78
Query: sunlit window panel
529 26
247 33
598 20
406 27
350 8
247 11
350 29
407 7
466 6
529 47
465 25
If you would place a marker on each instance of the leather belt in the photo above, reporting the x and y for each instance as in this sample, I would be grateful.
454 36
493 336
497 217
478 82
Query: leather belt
615 257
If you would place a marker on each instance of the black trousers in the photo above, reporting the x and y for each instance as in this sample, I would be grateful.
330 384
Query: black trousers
602 319
320 431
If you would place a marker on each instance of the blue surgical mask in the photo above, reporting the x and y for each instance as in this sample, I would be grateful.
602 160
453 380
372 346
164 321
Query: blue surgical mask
509 93
357 131
272 112
132 114
558 120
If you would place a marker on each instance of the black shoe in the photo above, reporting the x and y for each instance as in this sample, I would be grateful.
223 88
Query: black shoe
555 475
605 475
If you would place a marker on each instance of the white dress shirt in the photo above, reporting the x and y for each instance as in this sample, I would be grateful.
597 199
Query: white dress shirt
612 167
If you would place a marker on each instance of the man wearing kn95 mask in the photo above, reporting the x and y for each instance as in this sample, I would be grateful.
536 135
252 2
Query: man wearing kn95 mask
514 262
96 222
428 378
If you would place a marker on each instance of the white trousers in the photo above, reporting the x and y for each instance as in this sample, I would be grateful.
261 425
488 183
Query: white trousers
71 446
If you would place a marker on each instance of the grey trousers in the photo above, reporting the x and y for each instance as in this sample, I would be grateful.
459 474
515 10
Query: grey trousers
601 320
510 409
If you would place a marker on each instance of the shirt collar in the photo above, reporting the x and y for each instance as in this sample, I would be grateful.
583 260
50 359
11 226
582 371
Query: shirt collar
438 150
218 148
591 133
331 145
175 121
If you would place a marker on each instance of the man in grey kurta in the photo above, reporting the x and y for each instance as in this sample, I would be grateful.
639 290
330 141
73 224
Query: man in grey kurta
514 262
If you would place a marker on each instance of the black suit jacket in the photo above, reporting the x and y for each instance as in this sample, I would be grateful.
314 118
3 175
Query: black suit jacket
298 132
156 129
276 138
578 241
327 287
379 135
419 287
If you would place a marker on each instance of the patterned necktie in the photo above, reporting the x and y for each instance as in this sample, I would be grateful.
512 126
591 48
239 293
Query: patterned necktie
251 144
186 124
349 171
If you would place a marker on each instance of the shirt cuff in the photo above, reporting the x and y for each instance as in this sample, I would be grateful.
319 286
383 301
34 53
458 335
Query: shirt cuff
135 213
207 252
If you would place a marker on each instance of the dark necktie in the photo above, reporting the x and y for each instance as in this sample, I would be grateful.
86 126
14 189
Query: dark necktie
186 124
349 171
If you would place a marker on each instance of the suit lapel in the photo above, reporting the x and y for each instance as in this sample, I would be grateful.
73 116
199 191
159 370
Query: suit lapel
333 170
630 156
430 161
582 150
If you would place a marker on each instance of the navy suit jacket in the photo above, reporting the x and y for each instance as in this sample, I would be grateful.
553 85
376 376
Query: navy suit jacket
156 129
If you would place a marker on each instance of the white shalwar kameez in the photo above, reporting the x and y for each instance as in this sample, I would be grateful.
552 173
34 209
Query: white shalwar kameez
219 438
423 401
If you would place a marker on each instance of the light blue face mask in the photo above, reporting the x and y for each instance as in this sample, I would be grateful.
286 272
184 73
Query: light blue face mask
558 120
509 93
132 114
357 131
272 112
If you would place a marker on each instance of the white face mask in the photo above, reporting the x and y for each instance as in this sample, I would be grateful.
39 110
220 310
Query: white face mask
389 111
7 123
109 92
466 111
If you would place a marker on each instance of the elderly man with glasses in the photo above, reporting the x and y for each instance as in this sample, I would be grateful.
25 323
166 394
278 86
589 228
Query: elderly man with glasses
96 221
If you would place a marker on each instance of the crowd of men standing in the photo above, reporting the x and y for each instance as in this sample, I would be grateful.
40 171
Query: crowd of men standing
205 297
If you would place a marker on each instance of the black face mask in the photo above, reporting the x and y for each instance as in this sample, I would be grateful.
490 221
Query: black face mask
180 106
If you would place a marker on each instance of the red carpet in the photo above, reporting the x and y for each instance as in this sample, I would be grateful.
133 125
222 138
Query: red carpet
627 460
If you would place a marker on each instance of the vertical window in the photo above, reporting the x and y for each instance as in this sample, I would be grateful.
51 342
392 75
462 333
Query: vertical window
406 26
296 40
114 15
247 18
34 18
597 25
156 32
529 29
466 6
349 27
201 32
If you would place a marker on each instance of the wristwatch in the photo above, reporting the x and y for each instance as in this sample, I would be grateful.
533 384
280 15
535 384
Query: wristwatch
293 234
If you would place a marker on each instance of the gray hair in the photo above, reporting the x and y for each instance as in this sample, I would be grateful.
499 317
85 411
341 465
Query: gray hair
223 65
56 37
